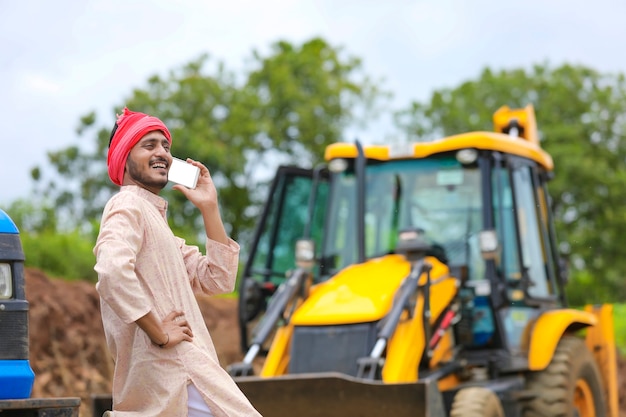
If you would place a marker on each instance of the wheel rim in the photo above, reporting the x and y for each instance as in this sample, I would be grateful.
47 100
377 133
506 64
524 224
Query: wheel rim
583 399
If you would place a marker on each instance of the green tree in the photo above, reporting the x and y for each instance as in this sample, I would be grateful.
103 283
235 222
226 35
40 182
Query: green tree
61 253
582 124
287 108
306 97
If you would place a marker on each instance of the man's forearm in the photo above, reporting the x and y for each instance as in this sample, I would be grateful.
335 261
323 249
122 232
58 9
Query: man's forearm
152 326
213 225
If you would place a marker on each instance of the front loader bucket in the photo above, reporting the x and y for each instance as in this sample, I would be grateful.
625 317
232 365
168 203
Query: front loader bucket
339 395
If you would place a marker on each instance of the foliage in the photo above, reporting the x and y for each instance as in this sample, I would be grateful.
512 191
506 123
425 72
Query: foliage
290 105
32 218
61 253
309 96
67 255
581 117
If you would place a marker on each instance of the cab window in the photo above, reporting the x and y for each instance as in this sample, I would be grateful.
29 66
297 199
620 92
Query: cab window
531 236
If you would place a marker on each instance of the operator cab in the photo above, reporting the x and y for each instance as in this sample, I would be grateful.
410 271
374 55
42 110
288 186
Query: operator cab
479 198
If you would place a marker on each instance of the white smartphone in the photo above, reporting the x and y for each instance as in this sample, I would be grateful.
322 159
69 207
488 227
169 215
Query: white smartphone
183 173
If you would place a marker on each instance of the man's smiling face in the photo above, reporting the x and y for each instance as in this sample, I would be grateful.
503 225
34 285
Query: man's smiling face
148 162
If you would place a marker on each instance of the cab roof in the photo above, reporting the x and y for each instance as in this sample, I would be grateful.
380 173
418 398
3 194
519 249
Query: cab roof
478 140
515 133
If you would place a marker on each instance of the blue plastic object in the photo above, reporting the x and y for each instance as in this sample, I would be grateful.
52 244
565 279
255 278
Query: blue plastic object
16 379
483 327
16 375
6 224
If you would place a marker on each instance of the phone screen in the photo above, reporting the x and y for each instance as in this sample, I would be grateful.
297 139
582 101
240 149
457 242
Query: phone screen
183 173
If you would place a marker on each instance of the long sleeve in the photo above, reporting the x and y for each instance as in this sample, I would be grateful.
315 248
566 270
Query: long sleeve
215 272
116 250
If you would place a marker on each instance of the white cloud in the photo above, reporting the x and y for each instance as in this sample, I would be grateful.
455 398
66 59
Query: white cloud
39 84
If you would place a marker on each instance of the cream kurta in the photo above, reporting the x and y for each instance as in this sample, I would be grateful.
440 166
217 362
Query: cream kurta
143 267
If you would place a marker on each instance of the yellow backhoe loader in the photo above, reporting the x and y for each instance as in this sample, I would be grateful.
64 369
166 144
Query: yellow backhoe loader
420 280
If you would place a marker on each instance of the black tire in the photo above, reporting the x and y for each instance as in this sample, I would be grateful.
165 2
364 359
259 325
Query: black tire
572 378
476 402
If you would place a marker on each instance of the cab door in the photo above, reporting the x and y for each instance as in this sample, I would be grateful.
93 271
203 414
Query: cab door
532 264
293 210
527 261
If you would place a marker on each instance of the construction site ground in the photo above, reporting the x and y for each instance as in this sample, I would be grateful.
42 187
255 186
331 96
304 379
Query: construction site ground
69 355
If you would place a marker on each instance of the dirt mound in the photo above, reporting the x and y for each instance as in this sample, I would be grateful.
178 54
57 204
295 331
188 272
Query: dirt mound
67 348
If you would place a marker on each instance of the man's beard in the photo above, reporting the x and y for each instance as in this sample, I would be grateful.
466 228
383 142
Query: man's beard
137 175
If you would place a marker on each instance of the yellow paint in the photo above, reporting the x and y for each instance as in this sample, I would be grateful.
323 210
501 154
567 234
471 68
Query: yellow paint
358 294
526 146
478 140
583 399
365 293
600 340
278 357
444 350
525 118
549 329
448 382
405 348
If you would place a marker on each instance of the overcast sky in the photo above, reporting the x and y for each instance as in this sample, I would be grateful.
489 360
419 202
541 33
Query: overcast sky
61 59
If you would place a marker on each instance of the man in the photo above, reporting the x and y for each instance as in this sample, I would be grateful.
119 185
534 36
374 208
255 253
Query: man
165 361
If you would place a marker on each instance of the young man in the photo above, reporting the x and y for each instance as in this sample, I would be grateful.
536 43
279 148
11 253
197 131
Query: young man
165 361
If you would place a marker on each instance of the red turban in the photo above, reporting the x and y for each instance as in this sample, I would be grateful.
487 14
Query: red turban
130 128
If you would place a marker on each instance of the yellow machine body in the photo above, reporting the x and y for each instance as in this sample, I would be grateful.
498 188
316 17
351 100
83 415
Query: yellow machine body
419 361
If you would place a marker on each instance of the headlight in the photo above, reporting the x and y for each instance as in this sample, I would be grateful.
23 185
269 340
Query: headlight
338 165
305 253
6 282
488 242
467 156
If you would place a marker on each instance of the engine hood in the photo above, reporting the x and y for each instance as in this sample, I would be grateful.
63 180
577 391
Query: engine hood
359 293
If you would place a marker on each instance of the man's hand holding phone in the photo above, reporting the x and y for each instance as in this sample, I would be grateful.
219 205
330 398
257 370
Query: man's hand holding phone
204 196
183 173
194 180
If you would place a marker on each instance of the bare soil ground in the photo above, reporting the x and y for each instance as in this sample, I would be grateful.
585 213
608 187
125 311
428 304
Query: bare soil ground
68 352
